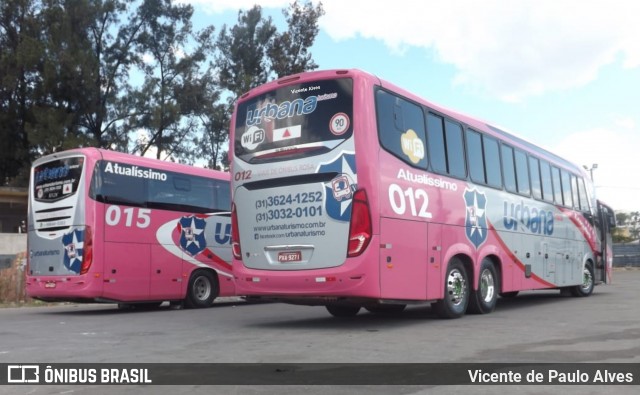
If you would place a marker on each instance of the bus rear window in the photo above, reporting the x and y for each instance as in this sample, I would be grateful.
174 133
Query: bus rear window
294 121
57 179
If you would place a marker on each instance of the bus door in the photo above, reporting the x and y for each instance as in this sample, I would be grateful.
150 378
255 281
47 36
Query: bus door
605 223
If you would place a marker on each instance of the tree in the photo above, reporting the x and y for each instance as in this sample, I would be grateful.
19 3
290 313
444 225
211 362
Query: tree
242 58
20 53
289 51
93 72
634 225
63 93
628 227
170 95
214 120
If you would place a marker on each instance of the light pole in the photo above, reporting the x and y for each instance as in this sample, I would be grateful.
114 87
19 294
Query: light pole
591 169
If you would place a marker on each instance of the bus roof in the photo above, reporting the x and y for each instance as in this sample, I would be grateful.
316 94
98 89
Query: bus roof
101 153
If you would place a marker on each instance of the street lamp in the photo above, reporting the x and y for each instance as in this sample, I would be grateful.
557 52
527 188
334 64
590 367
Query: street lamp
591 169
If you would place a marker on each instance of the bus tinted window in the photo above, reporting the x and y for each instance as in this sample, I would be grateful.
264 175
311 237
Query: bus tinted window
545 176
483 157
557 185
401 128
508 169
536 185
566 188
119 183
522 173
57 179
437 153
584 200
310 117
474 155
492 161
446 146
574 192
455 149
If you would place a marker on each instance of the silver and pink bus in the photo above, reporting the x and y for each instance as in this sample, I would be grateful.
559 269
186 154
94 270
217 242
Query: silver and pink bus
105 226
350 192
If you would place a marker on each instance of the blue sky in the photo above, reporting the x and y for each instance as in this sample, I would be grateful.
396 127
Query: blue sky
562 74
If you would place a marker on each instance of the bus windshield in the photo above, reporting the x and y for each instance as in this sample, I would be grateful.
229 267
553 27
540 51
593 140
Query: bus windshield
303 119
57 179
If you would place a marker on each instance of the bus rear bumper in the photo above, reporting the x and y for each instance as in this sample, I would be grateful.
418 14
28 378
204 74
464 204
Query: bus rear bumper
63 288
318 286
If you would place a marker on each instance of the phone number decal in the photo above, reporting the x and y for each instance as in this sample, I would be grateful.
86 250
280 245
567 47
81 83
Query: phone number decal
284 200
289 213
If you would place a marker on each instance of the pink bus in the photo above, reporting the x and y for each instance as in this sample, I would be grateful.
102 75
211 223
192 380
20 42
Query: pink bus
105 226
350 192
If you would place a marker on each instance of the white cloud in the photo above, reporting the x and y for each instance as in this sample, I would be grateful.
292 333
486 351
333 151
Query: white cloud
511 49
615 151
508 48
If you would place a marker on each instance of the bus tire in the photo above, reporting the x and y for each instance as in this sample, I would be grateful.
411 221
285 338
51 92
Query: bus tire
586 288
483 300
456 292
202 290
342 311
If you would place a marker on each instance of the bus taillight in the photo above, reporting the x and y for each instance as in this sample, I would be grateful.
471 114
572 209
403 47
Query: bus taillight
360 226
235 234
87 254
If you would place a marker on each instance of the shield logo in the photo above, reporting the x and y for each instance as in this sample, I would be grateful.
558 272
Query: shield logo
339 191
192 239
476 228
73 244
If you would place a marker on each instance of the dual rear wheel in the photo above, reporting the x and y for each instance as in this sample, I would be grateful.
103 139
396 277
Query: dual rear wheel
459 295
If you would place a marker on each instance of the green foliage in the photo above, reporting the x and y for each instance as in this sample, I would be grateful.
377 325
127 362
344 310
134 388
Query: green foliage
97 72
628 227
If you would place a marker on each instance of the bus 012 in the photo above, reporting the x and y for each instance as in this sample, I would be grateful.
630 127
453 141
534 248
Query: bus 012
108 227
350 192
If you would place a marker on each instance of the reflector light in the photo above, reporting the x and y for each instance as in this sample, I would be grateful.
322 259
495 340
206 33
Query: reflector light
235 234
360 225
87 255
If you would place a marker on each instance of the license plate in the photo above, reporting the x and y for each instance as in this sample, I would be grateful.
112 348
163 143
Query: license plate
50 284
289 256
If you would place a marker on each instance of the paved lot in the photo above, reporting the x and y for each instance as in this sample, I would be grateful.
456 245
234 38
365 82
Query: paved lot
534 327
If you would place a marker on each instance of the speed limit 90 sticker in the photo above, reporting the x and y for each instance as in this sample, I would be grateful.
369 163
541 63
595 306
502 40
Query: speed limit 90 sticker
339 123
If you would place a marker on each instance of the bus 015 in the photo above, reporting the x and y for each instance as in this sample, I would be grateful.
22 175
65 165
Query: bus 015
105 226
350 192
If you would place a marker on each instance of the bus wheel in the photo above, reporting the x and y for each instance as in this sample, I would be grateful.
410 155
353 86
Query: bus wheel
456 292
386 308
484 299
340 310
202 289
586 288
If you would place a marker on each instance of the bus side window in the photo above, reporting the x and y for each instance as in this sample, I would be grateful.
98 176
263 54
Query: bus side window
584 200
557 185
508 168
522 173
545 175
401 128
565 178
536 185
